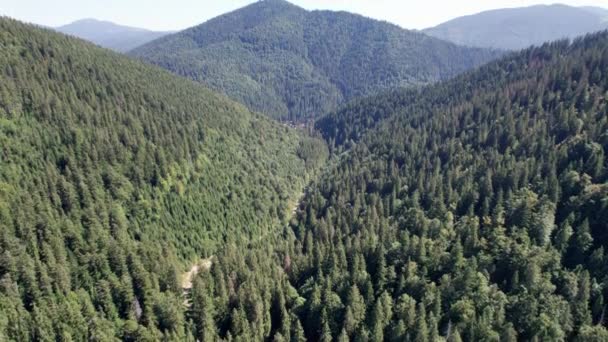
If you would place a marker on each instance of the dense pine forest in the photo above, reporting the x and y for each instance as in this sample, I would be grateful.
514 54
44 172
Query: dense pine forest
294 64
114 176
475 209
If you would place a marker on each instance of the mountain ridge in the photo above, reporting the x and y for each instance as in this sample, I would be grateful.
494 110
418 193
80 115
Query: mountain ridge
110 35
520 27
290 63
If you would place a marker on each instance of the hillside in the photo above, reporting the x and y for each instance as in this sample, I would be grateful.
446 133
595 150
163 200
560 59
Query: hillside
473 210
518 28
140 206
470 210
109 35
294 64
113 176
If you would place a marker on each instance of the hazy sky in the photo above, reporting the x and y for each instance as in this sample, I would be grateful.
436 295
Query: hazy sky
179 14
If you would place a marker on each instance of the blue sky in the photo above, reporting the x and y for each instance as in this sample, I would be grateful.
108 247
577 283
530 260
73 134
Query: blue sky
179 14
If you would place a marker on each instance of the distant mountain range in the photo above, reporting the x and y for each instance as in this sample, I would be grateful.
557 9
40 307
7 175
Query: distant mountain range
518 28
602 12
295 64
109 35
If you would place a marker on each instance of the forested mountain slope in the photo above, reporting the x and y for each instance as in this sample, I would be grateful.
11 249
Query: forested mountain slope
472 210
519 28
294 64
475 210
109 35
113 175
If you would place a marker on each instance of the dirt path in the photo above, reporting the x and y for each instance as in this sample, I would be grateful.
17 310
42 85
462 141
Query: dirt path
188 277
296 204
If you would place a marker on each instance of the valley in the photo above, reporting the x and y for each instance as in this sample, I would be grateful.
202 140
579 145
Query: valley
280 173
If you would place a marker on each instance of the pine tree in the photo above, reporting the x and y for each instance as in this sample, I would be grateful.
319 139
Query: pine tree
421 330
454 336
581 311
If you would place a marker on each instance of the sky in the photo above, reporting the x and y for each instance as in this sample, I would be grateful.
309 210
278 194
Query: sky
164 15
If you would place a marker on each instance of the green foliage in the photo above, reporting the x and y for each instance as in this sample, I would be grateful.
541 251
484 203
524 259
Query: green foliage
471 210
476 207
113 176
471 213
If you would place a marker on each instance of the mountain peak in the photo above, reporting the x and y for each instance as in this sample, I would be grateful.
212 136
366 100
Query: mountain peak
276 5
97 24
90 21
108 34
276 2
